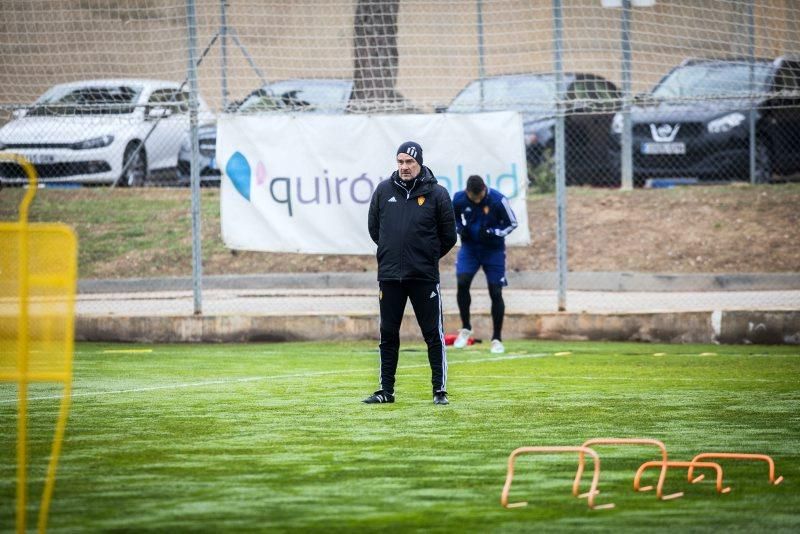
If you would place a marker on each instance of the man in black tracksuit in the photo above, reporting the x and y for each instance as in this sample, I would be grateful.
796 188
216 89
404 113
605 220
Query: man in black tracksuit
411 220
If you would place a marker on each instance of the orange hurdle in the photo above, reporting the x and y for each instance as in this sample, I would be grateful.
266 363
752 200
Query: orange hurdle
737 456
690 465
628 441
593 491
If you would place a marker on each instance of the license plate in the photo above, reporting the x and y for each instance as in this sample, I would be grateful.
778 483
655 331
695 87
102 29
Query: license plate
40 158
663 148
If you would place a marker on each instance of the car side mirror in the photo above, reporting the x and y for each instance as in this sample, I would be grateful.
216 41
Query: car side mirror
159 113
19 113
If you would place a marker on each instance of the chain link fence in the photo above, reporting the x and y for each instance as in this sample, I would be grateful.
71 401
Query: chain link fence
653 95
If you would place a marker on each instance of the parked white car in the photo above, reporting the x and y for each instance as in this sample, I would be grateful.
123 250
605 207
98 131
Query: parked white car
119 131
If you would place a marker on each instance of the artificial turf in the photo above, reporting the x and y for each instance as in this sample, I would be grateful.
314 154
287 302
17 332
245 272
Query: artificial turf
274 437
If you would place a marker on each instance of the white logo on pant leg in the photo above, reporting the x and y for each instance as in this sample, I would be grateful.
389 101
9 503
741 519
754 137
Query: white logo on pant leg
433 294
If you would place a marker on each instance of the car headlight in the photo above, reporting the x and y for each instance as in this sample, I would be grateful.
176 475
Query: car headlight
726 123
97 142
616 124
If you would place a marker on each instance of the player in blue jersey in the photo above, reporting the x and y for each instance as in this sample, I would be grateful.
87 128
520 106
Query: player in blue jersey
483 220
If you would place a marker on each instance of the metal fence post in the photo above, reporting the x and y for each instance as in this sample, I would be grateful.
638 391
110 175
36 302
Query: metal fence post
481 66
223 44
561 182
627 127
197 265
751 52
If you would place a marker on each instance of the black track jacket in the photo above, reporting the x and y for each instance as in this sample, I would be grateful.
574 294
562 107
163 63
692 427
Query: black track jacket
413 230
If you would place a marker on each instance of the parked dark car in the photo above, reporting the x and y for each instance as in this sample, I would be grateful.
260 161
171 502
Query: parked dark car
591 103
695 121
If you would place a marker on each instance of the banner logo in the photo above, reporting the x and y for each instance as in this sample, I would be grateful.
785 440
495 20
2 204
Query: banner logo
238 170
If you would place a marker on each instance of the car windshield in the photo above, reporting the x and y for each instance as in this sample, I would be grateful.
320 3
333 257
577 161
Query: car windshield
712 79
523 93
115 100
298 95
259 101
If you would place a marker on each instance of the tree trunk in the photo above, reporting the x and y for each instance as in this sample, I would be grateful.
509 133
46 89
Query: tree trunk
376 57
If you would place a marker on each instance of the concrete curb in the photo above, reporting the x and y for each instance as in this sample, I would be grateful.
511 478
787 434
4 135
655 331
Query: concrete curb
576 281
734 327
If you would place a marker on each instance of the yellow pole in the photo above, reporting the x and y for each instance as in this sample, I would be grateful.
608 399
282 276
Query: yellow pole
24 375
61 424
33 183
22 437
51 467
22 346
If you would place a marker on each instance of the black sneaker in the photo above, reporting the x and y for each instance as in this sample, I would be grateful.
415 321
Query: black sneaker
379 397
440 397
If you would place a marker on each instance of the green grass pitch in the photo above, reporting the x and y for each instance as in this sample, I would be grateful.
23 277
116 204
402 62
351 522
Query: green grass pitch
274 437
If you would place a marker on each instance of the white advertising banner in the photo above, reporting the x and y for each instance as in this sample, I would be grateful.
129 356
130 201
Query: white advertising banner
303 182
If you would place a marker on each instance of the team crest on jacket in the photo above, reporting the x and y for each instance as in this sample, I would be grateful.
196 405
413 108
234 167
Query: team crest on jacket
421 200
486 210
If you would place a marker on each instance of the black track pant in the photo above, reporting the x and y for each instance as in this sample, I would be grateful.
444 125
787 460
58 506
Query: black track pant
464 300
427 303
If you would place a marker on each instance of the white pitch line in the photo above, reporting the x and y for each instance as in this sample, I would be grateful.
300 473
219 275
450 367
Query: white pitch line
625 378
273 377
357 371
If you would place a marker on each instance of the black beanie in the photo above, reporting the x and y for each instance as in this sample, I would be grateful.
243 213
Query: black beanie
412 149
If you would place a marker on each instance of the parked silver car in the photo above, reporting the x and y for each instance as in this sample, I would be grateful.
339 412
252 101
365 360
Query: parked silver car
591 101
310 95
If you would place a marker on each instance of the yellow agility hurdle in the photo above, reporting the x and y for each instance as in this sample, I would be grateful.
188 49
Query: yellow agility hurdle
738 456
593 491
690 465
38 273
628 441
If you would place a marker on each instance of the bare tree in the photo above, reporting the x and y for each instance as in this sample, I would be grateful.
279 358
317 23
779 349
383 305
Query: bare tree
376 57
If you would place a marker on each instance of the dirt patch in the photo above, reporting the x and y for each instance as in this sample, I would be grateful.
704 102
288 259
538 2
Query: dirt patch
732 229
714 229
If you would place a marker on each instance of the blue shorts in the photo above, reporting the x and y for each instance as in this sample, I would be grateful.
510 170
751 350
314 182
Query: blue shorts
493 261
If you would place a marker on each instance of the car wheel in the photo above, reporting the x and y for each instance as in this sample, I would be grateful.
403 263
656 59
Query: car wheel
763 163
134 165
